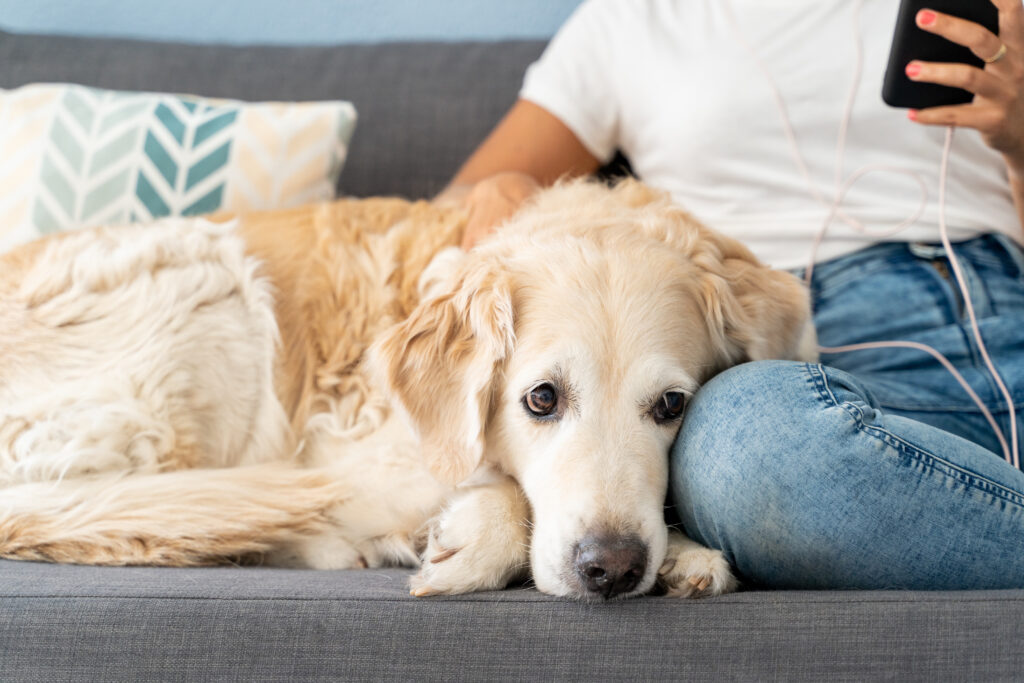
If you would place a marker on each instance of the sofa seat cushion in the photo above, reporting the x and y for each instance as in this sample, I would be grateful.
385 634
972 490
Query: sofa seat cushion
61 622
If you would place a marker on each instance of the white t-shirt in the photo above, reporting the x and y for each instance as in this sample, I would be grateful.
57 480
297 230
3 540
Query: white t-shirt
670 83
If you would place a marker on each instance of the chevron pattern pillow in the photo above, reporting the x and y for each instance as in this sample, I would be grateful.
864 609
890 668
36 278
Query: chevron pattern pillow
73 156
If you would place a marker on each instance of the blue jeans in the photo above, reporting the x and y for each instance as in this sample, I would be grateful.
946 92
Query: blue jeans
873 469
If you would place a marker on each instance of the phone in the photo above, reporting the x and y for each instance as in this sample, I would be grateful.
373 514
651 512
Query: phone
910 42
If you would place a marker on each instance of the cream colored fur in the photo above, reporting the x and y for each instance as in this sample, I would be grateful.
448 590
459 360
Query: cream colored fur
195 392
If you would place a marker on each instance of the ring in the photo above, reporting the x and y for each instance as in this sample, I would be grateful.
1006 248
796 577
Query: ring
997 56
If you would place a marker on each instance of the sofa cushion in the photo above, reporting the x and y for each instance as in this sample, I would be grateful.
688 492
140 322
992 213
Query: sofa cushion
60 622
72 156
423 107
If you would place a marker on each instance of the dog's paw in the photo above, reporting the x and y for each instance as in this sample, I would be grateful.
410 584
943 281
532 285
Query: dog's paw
450 571
322 551
478 542
692 571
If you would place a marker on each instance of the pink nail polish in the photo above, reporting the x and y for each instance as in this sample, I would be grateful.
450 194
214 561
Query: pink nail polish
912 114
913 69
926 17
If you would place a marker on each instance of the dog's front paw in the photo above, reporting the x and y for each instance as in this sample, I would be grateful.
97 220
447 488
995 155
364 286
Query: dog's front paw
692 571
451 570
478 542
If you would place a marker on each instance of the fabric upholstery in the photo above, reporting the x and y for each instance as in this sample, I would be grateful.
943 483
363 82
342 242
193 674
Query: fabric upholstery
129 624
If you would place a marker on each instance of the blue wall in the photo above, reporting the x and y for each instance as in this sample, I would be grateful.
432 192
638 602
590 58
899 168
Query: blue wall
289 21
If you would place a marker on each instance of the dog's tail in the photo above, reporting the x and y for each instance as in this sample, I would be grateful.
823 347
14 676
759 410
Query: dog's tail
183 518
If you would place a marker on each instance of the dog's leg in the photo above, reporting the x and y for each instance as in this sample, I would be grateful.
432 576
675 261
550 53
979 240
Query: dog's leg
326 550
479 541
391 496
692 571
332 549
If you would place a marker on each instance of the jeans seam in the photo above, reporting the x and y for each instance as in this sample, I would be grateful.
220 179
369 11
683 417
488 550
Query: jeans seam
947 408
960 474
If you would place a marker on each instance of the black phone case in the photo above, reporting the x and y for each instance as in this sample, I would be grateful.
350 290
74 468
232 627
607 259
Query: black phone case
910 42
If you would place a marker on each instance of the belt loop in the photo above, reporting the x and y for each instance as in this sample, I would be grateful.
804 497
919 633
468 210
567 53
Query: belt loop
929 252
1012 249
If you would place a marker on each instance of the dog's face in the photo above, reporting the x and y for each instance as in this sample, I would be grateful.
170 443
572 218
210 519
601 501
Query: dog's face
563 352
589 403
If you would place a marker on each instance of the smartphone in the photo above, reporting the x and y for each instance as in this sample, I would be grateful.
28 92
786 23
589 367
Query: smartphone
910 42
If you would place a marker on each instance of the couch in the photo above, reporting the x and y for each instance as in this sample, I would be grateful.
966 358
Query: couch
422 108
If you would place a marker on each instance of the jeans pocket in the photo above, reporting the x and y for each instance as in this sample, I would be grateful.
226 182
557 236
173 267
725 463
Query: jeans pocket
884 303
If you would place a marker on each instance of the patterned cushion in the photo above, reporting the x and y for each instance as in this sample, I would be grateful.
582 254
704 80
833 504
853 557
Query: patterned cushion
73 156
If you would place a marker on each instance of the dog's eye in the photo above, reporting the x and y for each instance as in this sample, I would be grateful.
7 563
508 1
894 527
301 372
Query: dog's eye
669 407
542 400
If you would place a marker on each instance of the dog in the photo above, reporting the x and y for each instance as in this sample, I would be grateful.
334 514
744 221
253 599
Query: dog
340 386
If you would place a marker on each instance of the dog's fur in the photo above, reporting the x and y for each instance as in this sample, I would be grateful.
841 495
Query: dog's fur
331 387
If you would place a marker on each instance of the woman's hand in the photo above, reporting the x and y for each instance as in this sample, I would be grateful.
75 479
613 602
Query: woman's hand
529 148
997 110
491 201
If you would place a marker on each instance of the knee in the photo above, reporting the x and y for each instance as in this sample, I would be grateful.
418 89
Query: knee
741 418
754 442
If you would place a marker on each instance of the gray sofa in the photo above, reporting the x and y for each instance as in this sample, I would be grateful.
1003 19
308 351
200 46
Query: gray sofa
422 108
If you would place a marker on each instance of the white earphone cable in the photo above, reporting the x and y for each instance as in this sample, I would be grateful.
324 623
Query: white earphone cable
1010 451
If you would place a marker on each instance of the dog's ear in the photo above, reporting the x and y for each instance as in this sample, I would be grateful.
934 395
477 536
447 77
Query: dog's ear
753 312
756 312
440 363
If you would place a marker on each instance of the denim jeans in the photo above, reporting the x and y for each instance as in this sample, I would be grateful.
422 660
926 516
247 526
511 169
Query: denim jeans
873 469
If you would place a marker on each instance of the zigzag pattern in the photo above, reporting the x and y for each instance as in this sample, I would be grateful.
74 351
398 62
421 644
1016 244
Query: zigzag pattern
289 154
90 157
73 156
185 159
24 116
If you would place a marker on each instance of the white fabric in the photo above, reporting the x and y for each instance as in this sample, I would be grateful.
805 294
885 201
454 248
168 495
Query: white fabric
670 83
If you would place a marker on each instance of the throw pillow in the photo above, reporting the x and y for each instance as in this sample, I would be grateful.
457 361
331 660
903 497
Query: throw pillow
73 156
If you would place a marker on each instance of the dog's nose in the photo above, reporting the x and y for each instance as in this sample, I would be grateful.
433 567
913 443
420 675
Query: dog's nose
610 565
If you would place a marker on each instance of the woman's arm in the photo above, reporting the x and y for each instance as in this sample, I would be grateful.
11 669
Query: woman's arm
530 148
1017 187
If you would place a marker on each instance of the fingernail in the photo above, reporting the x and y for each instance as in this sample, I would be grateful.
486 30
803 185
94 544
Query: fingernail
912 114
926 17
913 69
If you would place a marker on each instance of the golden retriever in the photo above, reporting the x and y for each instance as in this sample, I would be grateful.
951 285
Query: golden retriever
337 386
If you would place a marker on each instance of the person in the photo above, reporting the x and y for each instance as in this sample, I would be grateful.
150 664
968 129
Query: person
872 469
